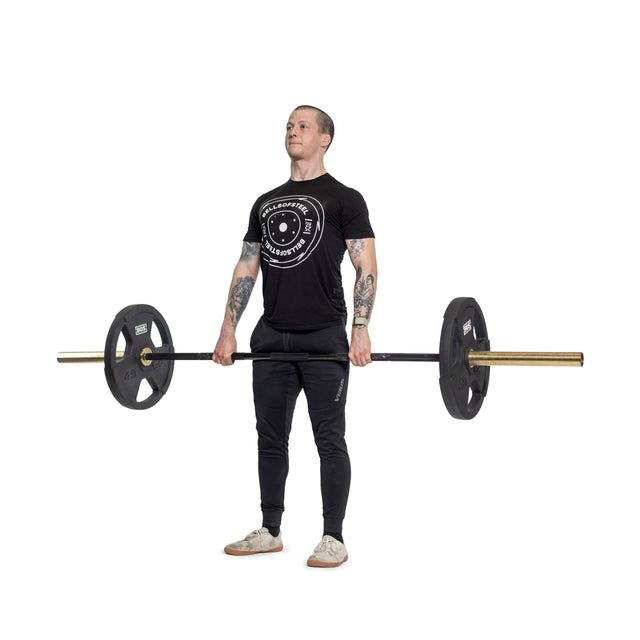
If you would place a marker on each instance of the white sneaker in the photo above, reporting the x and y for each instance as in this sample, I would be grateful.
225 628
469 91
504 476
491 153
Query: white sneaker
329 553
258 541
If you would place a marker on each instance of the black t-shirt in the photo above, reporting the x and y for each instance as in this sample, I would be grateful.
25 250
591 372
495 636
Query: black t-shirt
302 227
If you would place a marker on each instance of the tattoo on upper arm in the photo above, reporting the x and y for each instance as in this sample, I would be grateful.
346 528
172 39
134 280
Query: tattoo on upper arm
364 294
356 248
240 293
249 251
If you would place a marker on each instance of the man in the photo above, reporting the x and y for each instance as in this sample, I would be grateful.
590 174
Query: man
297 235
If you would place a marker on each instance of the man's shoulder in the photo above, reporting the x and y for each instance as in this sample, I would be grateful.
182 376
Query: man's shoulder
348 193
329 185
274 192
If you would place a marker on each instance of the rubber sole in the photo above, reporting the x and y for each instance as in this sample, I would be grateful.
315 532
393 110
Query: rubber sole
325 565
236 552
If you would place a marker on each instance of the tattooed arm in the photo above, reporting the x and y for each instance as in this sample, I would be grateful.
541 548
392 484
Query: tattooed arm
363 257
242 282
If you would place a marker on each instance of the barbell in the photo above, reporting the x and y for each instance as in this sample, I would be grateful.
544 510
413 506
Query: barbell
464 357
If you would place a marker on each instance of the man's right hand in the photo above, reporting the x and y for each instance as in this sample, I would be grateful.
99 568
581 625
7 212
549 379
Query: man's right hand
226 346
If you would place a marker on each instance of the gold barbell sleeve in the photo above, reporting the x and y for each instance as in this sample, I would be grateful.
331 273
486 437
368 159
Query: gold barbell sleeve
85 356
524 359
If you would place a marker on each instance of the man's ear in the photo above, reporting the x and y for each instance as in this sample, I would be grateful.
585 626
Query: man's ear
325 141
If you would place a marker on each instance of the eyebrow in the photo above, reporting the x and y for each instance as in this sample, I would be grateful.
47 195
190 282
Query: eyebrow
299 122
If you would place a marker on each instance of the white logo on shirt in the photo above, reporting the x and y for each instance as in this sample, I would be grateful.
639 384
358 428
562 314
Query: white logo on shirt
292 227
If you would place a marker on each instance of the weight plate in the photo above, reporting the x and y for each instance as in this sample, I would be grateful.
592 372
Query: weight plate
463 387
124 375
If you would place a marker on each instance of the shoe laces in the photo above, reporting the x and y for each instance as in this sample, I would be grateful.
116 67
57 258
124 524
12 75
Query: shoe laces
253 534
327 545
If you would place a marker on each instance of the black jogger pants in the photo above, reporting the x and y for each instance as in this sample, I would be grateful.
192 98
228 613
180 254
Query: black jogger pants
276 386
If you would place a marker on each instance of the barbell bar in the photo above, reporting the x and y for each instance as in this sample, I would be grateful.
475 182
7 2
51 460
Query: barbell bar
464 357
474 358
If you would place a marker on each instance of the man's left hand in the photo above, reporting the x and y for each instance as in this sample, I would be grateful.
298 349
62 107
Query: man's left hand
360 348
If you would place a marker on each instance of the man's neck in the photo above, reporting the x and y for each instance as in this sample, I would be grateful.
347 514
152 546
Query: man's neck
301 170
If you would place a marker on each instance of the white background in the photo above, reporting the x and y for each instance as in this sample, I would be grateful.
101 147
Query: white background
496 144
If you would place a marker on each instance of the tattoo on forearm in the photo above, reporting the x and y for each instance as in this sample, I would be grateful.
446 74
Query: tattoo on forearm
249 250
240 293
356 247
364 294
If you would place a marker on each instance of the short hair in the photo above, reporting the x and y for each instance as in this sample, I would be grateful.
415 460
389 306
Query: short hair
323 120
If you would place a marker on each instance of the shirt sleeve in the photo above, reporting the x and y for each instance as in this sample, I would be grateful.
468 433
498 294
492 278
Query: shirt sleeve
355 217
254 232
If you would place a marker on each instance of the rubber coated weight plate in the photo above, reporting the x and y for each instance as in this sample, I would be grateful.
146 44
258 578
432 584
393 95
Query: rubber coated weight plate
124 375
463 387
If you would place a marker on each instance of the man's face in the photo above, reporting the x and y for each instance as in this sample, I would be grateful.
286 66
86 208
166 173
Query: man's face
303 139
